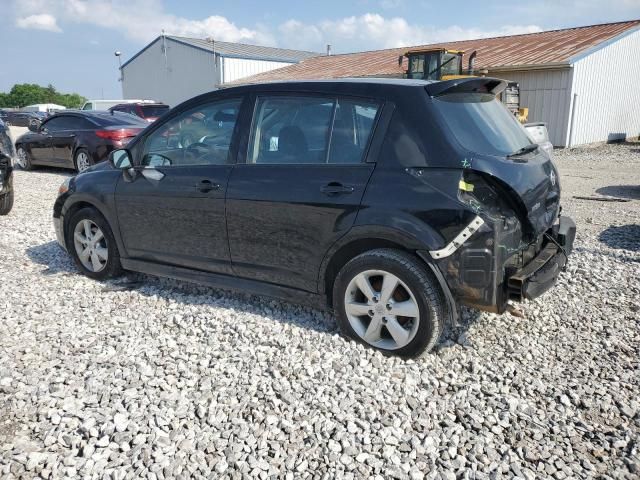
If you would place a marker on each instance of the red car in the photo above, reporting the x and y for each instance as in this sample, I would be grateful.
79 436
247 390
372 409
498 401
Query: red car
147 111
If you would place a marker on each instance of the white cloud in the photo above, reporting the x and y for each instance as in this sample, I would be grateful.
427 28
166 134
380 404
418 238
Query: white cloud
42 21
143 20
371 31
140 20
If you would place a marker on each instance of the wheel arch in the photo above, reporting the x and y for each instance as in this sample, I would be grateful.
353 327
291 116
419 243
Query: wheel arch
361 240
79 204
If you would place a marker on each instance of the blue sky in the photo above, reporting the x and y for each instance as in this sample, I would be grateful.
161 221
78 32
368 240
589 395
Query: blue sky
70 43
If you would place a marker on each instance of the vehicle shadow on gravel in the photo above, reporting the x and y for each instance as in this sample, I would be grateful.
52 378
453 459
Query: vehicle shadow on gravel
52 256
626 237
57 262
621 191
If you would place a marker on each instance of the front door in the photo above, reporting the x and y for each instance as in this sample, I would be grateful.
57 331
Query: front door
300 187
173 210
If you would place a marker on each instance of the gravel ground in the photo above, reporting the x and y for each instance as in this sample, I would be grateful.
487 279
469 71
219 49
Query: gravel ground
149 378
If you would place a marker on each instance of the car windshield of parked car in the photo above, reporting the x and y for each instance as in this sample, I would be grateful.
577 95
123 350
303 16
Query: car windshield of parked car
482 124
199 136
154 110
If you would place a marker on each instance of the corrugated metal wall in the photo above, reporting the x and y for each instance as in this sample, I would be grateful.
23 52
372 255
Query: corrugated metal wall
607 85
183 73
237 68
547 94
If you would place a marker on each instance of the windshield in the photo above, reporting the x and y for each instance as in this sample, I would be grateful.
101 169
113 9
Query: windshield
482 124
154 110
450 64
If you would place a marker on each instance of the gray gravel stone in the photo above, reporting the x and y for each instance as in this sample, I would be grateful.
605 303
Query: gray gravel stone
148 378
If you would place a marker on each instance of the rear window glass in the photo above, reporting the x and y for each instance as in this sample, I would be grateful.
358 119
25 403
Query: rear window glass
154 110
118 118
482 124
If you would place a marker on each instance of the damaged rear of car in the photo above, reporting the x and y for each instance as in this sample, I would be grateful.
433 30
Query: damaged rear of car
491 195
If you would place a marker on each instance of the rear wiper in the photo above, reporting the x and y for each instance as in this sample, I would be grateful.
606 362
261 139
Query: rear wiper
527 149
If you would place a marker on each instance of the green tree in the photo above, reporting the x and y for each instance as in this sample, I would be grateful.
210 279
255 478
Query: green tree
23 94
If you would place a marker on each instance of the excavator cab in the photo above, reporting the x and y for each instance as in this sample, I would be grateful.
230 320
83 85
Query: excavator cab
446 64
435 64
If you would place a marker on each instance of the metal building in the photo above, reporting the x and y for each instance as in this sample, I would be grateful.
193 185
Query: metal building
173 69
583 82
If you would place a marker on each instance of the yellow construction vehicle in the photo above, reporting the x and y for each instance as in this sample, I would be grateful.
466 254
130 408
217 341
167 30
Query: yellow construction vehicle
446 64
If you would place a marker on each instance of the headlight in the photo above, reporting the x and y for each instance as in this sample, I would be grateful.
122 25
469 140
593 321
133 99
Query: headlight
64 187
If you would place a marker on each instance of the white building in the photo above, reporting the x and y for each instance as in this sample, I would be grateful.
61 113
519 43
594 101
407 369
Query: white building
583 82
173 69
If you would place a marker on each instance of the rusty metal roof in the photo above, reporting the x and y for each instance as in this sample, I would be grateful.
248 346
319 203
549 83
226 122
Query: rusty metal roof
534 49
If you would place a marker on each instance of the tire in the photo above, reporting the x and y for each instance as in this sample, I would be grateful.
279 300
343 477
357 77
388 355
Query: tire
24 159
6 203
103 250
415 292
82 160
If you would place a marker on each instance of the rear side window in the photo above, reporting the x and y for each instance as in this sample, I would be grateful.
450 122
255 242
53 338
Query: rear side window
310 130
482 124
154 110
118 118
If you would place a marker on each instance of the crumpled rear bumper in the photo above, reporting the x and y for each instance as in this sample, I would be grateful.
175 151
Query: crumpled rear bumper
542 272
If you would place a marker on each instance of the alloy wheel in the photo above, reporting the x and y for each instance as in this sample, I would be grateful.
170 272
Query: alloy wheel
381 309
82 161
91 245
22 158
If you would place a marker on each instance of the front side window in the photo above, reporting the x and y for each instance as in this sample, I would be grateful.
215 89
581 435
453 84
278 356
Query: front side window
199 136
310 130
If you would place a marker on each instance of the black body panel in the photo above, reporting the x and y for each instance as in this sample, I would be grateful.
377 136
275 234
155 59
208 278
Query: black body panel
277 228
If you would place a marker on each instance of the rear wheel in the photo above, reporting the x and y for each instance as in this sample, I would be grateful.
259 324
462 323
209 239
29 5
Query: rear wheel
24 159
388 300
92 245
6 203
82 160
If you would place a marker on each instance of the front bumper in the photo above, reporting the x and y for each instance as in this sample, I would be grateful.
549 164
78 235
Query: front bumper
541 273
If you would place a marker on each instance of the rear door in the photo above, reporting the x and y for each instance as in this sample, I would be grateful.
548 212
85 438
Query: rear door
173 212
300 186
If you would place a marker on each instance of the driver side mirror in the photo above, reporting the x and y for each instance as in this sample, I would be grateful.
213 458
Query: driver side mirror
35 127
121 159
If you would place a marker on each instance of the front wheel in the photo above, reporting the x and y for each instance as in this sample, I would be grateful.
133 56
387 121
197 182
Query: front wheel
92 245
6 203
388 300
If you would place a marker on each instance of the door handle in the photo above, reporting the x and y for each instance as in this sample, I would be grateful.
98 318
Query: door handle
206 186
335 188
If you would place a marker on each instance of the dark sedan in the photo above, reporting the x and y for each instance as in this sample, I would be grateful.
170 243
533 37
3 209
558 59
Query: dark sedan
24 119
76 139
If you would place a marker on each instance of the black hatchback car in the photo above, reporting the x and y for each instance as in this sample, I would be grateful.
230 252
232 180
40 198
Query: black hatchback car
76 139
390 201
6 170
